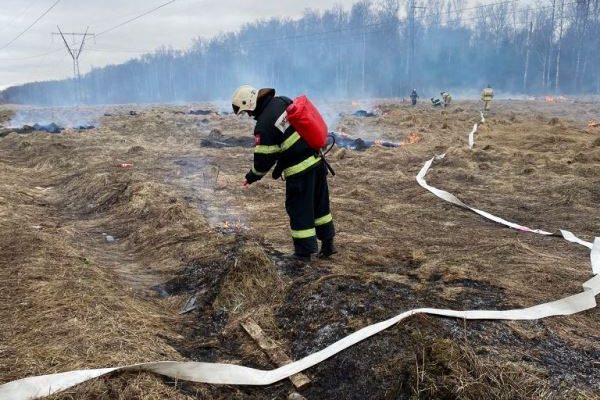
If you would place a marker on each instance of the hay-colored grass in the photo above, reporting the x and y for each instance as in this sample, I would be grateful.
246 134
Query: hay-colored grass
70 300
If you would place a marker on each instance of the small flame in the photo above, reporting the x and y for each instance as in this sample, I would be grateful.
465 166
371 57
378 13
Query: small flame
555 99
231 227
411 138
594 123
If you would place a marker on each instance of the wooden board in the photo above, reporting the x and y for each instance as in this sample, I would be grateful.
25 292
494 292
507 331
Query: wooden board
272 349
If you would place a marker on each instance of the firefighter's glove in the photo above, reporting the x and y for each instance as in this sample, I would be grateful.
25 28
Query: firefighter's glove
251 177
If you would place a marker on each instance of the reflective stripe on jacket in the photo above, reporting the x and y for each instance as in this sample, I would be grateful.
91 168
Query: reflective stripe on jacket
487 94
278 143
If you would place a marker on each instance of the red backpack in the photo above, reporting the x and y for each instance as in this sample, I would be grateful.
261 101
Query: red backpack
308 122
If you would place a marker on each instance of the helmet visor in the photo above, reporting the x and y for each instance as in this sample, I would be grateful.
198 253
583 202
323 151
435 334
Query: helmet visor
236 109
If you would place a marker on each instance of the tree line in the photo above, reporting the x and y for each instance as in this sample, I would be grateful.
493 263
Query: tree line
378 48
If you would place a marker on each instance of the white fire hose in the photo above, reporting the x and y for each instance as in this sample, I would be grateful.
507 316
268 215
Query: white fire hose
218 373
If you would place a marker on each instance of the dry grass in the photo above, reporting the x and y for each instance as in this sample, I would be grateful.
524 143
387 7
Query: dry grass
445 369
252 282
70 300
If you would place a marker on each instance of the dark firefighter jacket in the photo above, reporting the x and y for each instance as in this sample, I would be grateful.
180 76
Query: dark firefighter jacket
277 142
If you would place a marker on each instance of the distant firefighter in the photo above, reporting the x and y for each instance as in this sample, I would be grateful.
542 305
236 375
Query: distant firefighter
486 96
436 102
447 98
413 97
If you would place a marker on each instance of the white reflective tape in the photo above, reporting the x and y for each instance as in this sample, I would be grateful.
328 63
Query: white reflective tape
595 256
593 285
472 137
510 224
449 197
282 122
217 373
44 385
569 237
474 131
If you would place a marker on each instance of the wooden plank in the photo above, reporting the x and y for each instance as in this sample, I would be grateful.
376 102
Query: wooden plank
272 349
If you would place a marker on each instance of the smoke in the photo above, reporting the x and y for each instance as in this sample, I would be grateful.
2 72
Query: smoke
361 53
64 117
202 178
330 113
222 106
358 127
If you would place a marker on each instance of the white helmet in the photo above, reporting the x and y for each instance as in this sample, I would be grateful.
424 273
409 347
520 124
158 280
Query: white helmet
244 99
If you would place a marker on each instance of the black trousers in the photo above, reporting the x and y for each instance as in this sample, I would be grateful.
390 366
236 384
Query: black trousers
307 204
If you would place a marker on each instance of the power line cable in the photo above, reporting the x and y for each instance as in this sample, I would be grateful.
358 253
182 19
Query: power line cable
136 17
539 8
301 36
362 29
31 26
481 6
322 33
354 30
357 30
101 33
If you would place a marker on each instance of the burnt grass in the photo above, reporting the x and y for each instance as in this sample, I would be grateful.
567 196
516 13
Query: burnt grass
320 309
374 368
567 365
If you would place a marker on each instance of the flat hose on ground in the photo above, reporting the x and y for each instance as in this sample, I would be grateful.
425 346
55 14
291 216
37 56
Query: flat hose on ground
219 373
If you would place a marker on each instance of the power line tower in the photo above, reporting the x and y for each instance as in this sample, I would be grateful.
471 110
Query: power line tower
75 48
410 65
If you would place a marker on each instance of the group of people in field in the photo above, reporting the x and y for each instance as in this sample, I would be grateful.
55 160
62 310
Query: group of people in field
487 96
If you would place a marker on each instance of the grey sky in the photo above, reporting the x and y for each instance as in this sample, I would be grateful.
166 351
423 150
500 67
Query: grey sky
176 25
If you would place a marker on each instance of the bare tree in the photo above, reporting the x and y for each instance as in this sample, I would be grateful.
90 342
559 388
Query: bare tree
363 51
550 39
527 52
559 44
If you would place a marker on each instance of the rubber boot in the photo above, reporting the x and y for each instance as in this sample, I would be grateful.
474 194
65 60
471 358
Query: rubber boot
327 249
304 258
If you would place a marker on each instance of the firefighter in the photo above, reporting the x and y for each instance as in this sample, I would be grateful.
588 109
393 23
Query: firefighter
486 96
413 97
436 102
278 144
447 98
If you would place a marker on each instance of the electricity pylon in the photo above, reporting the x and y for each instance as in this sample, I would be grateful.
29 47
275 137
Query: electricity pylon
75 48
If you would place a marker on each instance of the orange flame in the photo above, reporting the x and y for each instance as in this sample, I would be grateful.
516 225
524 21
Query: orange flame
232 227
411 138
555 99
